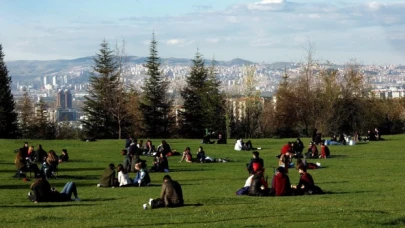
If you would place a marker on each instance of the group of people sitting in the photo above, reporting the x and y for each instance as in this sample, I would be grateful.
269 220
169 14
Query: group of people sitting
258 185
221 139
241 145
109 179
27 158
188 157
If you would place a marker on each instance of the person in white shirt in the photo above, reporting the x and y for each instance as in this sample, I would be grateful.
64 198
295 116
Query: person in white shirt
239 144
123 178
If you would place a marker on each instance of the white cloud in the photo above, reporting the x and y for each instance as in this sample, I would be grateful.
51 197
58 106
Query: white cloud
213 40
267 5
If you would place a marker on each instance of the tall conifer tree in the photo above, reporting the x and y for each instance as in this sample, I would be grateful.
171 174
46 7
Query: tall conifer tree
8 116
155 103
100 123
195 95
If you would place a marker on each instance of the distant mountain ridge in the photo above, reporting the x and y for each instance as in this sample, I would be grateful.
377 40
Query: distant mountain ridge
35 68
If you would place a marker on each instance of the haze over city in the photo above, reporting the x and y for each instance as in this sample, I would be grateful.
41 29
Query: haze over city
262 31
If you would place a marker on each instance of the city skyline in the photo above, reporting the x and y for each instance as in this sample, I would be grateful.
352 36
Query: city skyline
260 31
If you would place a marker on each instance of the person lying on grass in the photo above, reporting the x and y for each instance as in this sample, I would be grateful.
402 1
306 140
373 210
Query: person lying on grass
170 196
42 192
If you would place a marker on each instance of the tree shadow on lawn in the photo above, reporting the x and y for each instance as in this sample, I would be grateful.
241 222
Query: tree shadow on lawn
97 200
332 182
81 169
342 193
79 177
14 186
187 170
395 222
338 156
204 222
47 205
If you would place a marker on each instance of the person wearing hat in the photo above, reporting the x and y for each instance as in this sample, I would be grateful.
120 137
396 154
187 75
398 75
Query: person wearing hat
108 178
170 196
281 185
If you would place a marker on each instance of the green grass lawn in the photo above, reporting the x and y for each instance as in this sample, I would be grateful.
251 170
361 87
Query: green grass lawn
364 184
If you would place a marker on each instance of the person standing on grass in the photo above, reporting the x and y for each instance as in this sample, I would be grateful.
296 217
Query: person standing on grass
170 196
42 192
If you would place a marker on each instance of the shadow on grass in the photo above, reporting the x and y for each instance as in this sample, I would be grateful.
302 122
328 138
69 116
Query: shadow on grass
338 156
81 169
81 177
186 170
203 222
97 200
342 193
47 205
7 163
14 187
333 182
395 222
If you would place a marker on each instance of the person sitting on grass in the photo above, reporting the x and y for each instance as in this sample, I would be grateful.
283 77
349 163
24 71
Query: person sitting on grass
108 178
306 184
42 192
187 155
325 152
221 139
200 155
123 178
259 186
281 185
25 166
312 151
256 164
245 189
170 196
308 165
40 154
51 164
149 148
142 176
64 157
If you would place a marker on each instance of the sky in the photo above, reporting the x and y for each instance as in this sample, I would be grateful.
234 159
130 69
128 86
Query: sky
370 32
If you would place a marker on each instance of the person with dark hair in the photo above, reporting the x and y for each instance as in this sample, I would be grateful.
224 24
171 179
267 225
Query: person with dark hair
221 139
298 147
42 192
325 152
108 178
23 165
200 155
133 148
64 157
309 165
285 161
306 183
258 186
123 178
128 142
187 155
40 154
256 164
50 166
245 189
24 150
170 196
286 148
281 185
312 151
149 148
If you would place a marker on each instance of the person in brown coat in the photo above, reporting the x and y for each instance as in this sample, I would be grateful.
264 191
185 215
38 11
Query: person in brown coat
25 166
170 196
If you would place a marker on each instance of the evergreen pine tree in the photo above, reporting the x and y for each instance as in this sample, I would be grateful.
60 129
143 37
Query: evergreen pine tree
216 113
8 116
196 96
26 111
103 81
155 103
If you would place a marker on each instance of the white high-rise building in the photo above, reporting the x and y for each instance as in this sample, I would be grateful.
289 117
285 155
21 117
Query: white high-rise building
45 82
54 80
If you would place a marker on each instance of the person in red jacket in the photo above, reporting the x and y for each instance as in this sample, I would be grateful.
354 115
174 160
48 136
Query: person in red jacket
306 183
281 185
324 151
286 148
